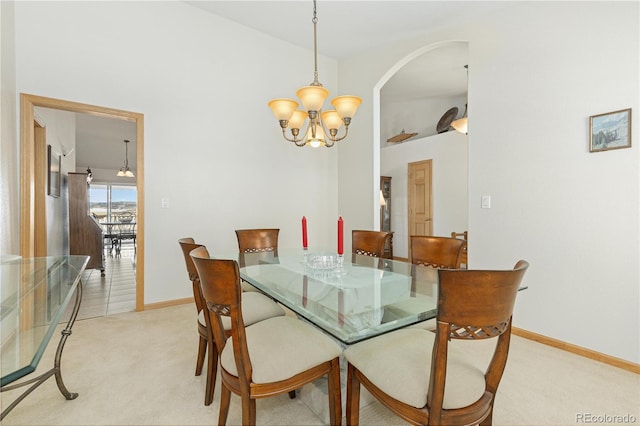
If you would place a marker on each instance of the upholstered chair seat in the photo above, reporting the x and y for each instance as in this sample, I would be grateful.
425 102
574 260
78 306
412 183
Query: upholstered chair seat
407 381
281 335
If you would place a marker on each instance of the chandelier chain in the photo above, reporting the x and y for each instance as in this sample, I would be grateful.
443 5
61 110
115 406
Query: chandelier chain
315 47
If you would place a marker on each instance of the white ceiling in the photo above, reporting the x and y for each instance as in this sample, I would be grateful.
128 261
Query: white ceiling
100 142
345 28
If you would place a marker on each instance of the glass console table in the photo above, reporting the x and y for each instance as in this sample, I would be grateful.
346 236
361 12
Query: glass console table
34 294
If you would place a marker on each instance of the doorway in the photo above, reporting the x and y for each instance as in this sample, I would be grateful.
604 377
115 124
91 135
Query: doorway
30 230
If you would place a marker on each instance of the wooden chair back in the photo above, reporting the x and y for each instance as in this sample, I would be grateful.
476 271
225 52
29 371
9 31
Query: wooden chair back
463 254
205 344
220 282
472 305
257 240
188 244
368 243
436 252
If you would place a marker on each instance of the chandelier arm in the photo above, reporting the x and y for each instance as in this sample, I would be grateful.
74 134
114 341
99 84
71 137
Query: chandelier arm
337 139
295 137
295 140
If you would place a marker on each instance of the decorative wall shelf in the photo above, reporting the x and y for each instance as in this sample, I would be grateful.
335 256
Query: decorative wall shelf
401 137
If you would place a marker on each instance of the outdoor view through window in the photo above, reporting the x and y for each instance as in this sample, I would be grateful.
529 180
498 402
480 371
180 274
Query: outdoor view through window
113 203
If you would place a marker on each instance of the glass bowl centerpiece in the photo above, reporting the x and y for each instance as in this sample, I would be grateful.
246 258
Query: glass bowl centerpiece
323 262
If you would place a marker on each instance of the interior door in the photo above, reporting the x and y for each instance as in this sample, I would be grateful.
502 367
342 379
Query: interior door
419 199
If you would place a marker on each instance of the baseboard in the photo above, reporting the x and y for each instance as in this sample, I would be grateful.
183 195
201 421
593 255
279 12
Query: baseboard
168 303
578 350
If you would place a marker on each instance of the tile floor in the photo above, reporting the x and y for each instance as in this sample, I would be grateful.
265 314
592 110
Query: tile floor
115 292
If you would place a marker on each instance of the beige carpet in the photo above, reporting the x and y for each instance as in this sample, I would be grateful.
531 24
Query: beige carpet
138 369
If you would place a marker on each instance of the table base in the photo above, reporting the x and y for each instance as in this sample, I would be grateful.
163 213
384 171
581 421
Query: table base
56 370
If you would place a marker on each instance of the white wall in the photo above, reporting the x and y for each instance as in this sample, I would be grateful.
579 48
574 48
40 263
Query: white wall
9 152
212 145
536 74
60 130
448 152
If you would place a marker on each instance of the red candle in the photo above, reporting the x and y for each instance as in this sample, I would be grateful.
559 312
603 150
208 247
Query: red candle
340 236
304 232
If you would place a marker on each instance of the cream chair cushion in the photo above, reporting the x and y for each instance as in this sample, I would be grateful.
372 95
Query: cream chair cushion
255 307
280 348
247 287
399 363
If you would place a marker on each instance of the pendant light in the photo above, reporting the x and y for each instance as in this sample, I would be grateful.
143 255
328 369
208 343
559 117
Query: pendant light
461 124
125 171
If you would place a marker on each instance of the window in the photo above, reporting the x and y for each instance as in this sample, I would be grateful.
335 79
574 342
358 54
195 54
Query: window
109 202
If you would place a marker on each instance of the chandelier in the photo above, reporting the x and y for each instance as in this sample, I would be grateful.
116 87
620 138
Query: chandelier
125 171
323 126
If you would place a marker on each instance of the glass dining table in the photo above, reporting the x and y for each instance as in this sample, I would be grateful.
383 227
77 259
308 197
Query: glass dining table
353 298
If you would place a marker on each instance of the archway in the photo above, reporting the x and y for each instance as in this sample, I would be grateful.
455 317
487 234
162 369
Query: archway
430 65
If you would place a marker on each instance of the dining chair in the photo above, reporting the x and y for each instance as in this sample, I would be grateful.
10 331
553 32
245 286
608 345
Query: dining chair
258 240
126 232
436 252
463 254
272 357
257 308
423 377
368 243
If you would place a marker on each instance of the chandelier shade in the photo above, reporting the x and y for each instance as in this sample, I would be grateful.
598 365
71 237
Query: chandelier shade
322 127
346 105
332 119
297 119
312 97
283 108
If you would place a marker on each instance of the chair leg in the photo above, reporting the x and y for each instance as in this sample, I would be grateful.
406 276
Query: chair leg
248 410
225 400
335 397
353 396
212 370
202 350
489 420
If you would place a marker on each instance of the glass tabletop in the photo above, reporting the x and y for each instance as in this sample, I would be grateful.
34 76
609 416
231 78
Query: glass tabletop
34 293
361 298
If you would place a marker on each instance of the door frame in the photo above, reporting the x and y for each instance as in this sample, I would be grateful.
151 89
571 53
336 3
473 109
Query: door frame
28 172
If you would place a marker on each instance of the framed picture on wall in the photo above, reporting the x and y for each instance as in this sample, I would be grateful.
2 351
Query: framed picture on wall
611 130
54 170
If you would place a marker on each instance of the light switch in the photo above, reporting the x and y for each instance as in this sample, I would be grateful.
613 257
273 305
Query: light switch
485 201
164 203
